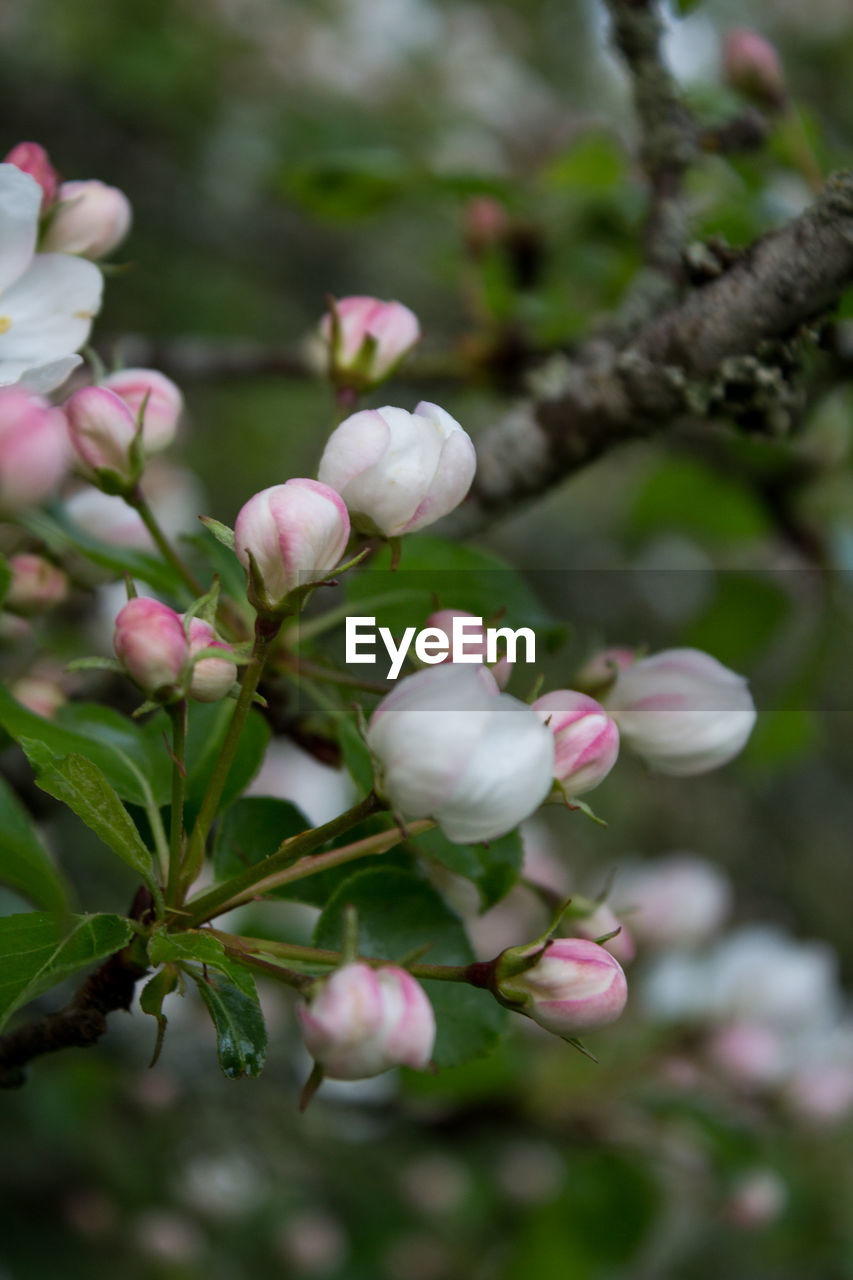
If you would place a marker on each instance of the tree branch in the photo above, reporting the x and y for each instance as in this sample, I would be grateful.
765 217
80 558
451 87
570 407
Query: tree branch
612 391
84 1020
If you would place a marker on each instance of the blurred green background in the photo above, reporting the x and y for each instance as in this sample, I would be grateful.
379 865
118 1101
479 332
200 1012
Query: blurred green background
276 152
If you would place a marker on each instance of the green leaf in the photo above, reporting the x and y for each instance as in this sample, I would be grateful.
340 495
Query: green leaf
60 535
689 499
356 756
241 1037
40 949
201 948
494 868
398 912
81 785
208 724
252 829
151 999
25 864
98 733
435 573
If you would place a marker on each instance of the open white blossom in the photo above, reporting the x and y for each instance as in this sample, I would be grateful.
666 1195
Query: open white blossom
47 300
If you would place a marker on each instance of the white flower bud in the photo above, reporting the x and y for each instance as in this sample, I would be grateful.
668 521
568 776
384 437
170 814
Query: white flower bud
574 986
451 747
90 219
681 711
399 471
361 1021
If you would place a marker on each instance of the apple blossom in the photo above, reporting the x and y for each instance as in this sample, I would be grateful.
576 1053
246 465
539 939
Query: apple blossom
361 1021
32 158
150 642
450 746
103 434
681 711
289 536
39 694
586 740
573 986
212 678
677 901
90 219
442 620
367 339
599 922
753 67
34 449
399 471
162 400
36 585
47 300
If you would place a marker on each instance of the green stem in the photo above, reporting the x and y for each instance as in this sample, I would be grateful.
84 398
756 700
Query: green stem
291 862
266 631
139 502
476 974
178 715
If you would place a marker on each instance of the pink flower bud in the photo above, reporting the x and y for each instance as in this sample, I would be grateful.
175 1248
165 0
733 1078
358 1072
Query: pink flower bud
90 220
34 160
599 672
150 642
34 451
585 738
450 746
574 986
40 695
474 641
362 1021
399 471
103 430
598 924
296 534
753 67
682 711
678 901
751 1053
486 223
367 339
212 678
162 408
36 585
757 1200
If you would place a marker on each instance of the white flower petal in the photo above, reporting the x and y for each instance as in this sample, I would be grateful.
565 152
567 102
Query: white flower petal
46 377
20 202
49 310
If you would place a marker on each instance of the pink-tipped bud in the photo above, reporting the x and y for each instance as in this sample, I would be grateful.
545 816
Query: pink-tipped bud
682 711
32 158
367 339
678 901
486 223
212 678
163 405
468 640
362 1021
574 986
40 695
753 67
103 435
586 740
36 585
90 220
289 536
599 672
399 471
151 644
750 1053
34 450
597 924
